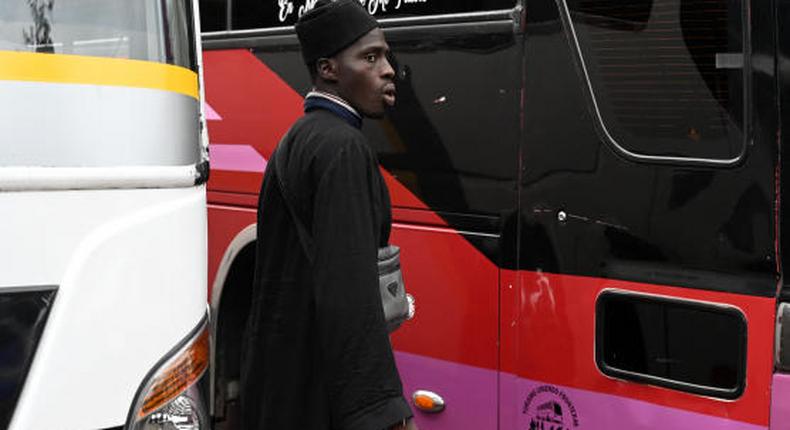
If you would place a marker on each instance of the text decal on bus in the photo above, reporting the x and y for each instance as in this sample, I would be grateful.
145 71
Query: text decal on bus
248 14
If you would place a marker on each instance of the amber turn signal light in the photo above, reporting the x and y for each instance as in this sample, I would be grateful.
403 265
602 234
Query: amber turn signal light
184 371
428 401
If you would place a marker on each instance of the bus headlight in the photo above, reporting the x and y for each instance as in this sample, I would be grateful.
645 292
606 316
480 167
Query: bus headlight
174 394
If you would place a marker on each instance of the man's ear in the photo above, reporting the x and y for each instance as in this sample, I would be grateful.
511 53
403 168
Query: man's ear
327 69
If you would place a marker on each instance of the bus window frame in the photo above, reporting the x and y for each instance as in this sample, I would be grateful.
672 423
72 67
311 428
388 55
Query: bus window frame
570 30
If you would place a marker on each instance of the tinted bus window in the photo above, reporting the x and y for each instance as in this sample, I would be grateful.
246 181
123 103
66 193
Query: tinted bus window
276 13
150 30
666 76
213 15
688 346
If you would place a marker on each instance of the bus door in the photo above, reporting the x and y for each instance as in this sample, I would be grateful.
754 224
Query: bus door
449 149
648 260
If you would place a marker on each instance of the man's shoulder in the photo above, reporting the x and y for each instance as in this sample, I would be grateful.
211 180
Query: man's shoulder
328 125
329 133
320 139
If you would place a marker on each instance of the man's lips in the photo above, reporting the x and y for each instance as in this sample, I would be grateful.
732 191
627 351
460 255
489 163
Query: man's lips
389 94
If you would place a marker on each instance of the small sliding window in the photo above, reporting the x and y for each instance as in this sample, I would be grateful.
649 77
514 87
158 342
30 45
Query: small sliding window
689 346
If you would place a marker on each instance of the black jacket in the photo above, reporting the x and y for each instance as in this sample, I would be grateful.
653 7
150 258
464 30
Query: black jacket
317 354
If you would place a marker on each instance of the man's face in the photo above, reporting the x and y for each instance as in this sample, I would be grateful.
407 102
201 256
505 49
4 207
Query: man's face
365 76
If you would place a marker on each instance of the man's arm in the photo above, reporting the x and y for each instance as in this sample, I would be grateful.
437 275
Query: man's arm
362 382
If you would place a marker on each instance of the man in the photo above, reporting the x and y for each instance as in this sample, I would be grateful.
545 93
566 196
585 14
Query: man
317 354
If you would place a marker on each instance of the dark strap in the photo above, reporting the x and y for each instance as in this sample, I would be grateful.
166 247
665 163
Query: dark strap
304 236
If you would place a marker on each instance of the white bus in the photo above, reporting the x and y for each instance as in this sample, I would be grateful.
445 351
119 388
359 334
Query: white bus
103 162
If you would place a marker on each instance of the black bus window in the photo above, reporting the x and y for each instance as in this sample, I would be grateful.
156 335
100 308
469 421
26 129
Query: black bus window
213 15
666 77
684 345
249 14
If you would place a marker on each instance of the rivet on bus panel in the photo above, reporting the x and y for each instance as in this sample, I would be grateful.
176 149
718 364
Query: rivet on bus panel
428 401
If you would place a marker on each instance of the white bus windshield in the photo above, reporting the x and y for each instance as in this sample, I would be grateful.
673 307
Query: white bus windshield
150 30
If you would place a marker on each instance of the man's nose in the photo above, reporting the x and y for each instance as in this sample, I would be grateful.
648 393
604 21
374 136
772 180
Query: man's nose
387 71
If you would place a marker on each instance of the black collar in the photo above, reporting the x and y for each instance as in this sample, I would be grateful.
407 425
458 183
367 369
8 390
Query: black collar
315 101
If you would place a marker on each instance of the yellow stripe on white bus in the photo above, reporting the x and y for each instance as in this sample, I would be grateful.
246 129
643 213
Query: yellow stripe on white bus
76 69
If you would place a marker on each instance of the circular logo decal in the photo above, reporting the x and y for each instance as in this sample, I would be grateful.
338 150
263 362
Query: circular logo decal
548 408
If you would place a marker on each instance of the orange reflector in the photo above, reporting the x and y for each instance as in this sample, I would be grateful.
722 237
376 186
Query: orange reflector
428 401
424 402
186 368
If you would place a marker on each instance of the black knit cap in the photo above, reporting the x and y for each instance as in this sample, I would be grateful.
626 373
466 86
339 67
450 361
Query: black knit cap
332 26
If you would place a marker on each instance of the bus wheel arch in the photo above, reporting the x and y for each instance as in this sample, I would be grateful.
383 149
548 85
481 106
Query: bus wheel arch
230 301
